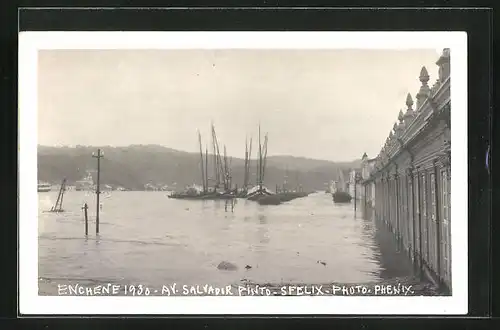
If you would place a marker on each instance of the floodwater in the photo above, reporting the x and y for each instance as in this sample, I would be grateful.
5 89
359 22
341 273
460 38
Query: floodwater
147 238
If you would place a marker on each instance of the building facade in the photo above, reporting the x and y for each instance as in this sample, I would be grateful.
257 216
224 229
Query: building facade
355 187
411 177
368 185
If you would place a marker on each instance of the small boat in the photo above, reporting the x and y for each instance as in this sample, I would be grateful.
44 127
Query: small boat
199 195
230 194
340 194
44 187
269 200
257 192
86 184
106 187
341 197
192 192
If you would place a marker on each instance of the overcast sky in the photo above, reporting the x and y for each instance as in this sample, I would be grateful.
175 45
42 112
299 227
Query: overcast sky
323 104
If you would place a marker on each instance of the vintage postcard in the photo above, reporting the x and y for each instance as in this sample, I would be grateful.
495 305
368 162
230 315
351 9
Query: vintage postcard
243 172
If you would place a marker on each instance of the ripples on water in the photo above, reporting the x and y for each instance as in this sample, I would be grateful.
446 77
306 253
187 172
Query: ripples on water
146 238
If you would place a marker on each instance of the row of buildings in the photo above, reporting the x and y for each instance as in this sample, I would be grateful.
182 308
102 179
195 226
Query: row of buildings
407 185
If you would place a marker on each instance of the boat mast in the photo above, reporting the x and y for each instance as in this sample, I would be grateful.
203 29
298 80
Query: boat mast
264 160
226 174
202 161
248 165
206 167
259 172
245 175
215 164
341 179
220 165
230 173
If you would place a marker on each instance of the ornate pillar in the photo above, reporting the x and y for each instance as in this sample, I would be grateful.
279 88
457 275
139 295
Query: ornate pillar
418 217
437 219
396 206
389 192
409 212
383 202
377 198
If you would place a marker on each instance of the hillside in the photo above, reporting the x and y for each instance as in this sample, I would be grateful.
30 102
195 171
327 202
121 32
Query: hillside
134 166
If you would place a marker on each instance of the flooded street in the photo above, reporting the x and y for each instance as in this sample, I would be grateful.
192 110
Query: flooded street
146 238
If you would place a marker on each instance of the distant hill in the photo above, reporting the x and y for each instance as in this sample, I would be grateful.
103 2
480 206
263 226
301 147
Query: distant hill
134 166
307 164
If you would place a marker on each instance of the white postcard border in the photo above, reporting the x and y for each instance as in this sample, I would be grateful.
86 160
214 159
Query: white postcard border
31 303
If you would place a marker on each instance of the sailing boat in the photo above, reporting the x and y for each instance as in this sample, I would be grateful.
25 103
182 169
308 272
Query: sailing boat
260 190
222 175
193 192
222 170
340 195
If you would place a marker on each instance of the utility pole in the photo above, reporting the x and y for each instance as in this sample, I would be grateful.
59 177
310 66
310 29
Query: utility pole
98 189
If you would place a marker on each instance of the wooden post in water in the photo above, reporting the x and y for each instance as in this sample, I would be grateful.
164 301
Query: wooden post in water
98 188
85 208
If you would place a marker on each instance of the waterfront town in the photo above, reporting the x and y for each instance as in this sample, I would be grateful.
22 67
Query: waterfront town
408 183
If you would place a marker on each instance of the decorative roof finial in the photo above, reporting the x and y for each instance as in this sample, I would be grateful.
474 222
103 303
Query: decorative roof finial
424 76
398 128
402 125
424 91
408 116
409 101
400 116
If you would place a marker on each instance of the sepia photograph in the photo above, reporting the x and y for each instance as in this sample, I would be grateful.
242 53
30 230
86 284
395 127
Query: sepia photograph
219 167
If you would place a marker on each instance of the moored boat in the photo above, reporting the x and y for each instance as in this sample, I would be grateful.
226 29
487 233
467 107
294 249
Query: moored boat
200 195
341 197
44 187
86 184
257 192
339 188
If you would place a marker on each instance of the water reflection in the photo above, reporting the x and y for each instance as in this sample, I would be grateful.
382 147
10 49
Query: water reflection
263 232
229 205
262 219
392 259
